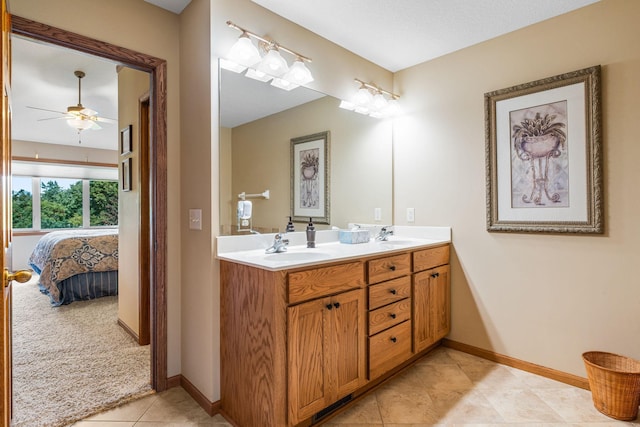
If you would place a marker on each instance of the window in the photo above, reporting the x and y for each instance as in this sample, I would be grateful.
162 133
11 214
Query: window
22 196
53 203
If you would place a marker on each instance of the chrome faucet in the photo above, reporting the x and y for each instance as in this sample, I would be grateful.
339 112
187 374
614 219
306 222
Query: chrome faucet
279 245
384 233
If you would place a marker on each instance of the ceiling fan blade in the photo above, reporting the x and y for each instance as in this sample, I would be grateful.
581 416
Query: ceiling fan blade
88 112
52 118
106 120
45 109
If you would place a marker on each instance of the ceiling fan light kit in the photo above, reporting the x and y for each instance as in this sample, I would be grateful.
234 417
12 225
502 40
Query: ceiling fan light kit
78 116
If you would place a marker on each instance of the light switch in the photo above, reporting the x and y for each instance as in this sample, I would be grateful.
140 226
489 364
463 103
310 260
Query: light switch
195 219
377 214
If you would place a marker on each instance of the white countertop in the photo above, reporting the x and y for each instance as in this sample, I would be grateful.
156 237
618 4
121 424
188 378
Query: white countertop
250 250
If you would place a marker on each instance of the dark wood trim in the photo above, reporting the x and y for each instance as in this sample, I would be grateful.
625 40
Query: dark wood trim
157 244
174 381
144 279
63 162
553 374
211 408
128 330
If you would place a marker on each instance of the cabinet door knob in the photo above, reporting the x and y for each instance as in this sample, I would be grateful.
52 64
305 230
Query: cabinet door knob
394 339
392 315
393 291
434 275
392 268
329 306
336 304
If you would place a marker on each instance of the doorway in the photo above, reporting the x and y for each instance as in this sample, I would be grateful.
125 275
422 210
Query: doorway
155 246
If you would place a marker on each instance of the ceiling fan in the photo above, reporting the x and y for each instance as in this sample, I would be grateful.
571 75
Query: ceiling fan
78 116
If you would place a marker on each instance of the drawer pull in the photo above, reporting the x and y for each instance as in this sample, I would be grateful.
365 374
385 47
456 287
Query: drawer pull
434 275
394 339
392 268
393 291
336 304
392 315
329 306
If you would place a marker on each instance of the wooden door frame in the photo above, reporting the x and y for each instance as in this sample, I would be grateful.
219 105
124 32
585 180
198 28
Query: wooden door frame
157 243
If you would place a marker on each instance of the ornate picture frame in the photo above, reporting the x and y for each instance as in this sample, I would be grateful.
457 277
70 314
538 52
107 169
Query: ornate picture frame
544 155
310 178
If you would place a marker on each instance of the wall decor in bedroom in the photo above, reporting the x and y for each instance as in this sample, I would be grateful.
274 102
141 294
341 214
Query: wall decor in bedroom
125 140
126 174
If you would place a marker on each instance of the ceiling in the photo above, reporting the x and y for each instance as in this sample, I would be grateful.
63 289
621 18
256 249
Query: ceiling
414 31
43 75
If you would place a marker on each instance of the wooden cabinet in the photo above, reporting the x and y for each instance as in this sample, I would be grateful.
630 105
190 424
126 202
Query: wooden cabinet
431 300
326 350
299 342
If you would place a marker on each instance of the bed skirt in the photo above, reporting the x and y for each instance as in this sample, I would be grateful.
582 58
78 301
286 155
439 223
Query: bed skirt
85 286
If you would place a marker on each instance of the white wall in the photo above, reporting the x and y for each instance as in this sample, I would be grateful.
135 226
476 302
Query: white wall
540 298
21 248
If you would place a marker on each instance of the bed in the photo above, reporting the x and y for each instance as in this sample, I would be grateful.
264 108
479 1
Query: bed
76 265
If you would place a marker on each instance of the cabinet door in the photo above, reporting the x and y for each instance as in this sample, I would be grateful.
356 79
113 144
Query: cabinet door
348 337
431 307
309 388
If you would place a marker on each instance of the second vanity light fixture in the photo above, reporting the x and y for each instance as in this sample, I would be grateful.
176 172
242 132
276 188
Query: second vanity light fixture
373 101
244 55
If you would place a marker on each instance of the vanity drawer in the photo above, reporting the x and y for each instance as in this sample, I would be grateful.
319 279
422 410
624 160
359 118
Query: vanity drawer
318 282
389 349
429 258
390 267
389 315
387 292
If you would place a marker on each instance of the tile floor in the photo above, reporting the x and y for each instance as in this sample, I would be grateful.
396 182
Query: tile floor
445 388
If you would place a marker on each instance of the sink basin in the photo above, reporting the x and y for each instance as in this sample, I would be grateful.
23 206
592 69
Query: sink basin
296 256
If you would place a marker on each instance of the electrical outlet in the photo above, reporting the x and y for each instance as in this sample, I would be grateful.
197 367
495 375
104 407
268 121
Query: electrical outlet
377 214
195 219
411 214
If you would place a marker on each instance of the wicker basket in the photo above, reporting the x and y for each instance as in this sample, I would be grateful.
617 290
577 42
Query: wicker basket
615 384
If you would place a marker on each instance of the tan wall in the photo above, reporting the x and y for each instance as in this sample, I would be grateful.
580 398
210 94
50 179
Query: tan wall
132 85
200 310
148 29
360 164
540 298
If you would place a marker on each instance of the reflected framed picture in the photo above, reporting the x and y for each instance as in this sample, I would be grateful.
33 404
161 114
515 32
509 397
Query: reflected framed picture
544 155
125 140
126 174
310 178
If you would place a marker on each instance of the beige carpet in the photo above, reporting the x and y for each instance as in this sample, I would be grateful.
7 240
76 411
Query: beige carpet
72 361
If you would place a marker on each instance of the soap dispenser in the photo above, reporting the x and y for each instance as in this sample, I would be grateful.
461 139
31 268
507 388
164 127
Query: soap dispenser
290 228
311 235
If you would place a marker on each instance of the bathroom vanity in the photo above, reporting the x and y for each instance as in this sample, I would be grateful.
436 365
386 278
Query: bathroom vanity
306 331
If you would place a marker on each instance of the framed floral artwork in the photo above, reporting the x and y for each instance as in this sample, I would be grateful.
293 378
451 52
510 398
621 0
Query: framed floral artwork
544 155
310 178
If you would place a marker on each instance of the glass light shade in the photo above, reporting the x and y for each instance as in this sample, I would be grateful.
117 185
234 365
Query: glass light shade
347 105
231 66
393 108
298 73
80 124
244 52
284 84
363 97
258 75
379 102
273 64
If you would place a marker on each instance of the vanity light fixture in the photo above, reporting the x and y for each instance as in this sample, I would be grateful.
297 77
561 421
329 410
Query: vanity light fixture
373 101
244 55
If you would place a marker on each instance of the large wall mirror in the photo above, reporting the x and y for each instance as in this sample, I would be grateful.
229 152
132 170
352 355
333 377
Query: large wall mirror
258 122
